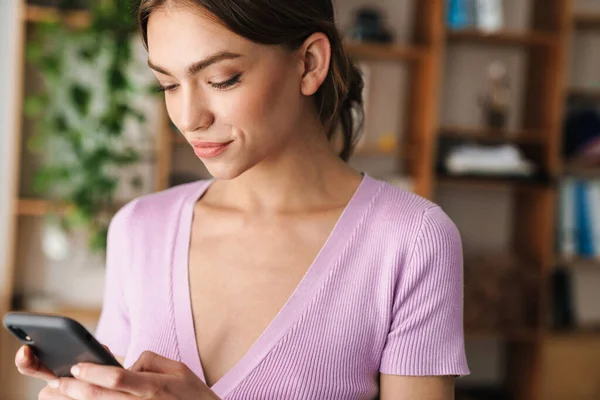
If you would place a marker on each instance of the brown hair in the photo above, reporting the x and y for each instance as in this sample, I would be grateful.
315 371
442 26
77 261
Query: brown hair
289 23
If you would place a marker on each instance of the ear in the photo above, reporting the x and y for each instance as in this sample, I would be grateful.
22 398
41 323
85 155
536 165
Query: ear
315 56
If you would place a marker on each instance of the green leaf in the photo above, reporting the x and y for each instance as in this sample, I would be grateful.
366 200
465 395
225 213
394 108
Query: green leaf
99 239
34 52
34 106
81 98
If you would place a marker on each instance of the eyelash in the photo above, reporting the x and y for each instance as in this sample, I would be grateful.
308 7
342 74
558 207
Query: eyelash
219 86
227 84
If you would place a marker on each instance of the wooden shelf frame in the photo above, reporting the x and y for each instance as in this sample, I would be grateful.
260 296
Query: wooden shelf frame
587 21
76 19
505 38
526 136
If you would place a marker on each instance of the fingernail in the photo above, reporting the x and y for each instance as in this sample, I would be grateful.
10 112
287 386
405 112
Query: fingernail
53 384
75 370
21 354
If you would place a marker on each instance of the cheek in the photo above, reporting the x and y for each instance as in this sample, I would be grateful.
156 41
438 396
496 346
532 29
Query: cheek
172 110
264 107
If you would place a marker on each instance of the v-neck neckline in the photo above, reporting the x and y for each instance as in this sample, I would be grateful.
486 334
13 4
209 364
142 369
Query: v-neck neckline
287 315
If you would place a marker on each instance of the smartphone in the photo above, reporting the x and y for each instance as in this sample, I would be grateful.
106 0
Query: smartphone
59 342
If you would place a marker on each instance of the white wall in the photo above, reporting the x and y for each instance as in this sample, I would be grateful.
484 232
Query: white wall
9 39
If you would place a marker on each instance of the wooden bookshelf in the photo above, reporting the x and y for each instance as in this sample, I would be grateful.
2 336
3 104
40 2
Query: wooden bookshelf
37 207
488 182
585 172
578 262
587 21
84 315
592 95
383 52
493 135
507 38
76 19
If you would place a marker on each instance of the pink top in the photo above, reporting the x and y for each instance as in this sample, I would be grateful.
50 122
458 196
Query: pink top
384 295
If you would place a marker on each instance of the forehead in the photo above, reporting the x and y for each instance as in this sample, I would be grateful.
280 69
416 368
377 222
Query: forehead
179 30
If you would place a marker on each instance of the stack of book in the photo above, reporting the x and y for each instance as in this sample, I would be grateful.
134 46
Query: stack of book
486 15
579 219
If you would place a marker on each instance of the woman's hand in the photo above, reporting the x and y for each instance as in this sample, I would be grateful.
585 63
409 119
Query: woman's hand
151 377
29 365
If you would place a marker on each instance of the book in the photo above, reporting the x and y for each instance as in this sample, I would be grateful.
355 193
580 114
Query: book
582 212
594 204
567 235
457 16
489 15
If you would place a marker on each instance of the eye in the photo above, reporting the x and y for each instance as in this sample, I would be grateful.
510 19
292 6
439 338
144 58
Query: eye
227 84
167 88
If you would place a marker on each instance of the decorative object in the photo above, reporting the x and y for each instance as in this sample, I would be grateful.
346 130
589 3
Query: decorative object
495 97
473 159
489 15
368 27
55 240
82 112
581 137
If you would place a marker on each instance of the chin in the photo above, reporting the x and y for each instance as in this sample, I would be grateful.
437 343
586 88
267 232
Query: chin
225 171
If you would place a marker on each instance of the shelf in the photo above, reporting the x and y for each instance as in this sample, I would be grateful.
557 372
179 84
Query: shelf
587 21
585 94
383 52
36 207
40 207
575 334
84 315
582 171
503 37
489 182
578 262
489 135
77 19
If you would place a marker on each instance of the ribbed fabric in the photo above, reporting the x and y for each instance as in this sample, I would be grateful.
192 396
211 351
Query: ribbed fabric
384 295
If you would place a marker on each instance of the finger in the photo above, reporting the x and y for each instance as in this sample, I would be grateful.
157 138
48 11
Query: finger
74 389
116 379
50 394
28 364
152 362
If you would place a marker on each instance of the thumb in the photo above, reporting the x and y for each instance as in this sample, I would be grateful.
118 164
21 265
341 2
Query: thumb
152 362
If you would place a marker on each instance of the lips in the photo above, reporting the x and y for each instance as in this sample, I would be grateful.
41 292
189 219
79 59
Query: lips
209 149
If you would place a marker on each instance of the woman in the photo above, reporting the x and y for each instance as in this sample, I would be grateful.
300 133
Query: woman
289 275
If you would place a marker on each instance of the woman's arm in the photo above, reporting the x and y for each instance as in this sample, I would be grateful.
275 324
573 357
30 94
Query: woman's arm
395 387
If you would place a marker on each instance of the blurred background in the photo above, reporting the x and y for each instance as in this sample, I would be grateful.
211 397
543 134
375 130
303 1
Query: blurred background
488 107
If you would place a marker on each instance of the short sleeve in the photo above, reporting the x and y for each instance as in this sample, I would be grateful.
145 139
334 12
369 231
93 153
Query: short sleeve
113 328
426 336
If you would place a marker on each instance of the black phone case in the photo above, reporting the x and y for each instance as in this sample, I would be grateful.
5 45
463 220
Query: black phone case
58 342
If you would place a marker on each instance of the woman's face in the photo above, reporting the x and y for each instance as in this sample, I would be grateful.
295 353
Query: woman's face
236 102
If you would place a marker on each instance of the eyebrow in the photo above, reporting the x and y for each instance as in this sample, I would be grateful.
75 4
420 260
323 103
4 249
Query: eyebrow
200 65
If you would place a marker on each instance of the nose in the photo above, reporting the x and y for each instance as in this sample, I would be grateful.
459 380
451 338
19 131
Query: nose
195 112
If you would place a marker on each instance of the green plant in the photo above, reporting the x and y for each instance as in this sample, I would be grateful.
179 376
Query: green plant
82 112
